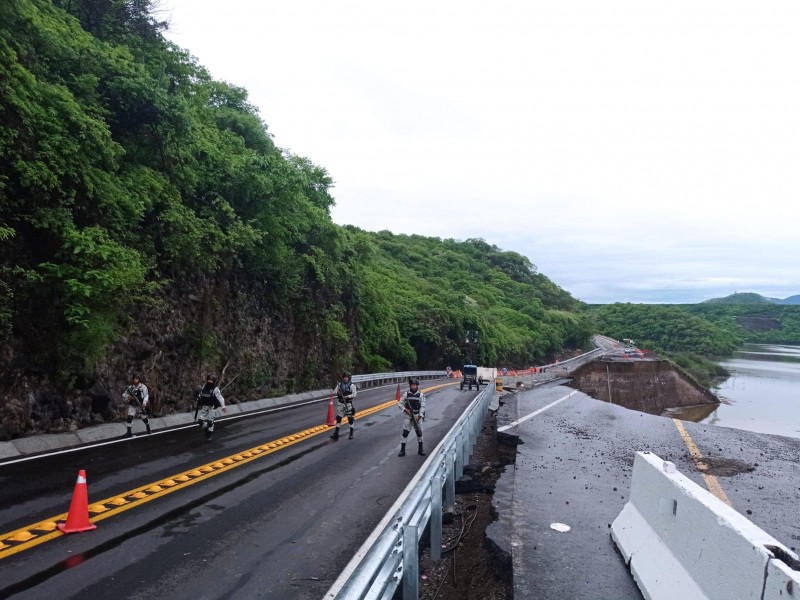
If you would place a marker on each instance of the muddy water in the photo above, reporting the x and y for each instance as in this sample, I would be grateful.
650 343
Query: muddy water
763 392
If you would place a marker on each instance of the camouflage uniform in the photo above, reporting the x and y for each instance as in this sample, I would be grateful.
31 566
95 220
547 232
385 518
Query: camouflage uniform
412 403
345 393
138 398
208 401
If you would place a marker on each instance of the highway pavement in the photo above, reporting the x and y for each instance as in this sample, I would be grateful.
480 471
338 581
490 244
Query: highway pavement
259 512
574 466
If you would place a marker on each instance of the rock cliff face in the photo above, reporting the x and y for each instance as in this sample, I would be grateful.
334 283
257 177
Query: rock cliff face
650 386
225 327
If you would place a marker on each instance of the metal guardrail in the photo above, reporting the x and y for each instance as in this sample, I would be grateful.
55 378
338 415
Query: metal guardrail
585 357
389 558
551 371
374 379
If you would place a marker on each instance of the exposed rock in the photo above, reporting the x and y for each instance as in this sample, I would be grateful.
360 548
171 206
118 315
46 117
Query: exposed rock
189 329
84 414
650 386
14 416
100 396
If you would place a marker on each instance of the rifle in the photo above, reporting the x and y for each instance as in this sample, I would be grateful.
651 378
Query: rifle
139 404
414 422
197 404
349 409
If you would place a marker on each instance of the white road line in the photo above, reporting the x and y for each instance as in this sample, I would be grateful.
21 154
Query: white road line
536 412
192 425
120 439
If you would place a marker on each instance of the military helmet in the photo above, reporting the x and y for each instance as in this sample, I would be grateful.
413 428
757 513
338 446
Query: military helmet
413 381
212 378
346 374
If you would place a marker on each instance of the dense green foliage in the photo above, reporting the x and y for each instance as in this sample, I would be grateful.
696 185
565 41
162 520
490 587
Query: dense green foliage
752 298
740 298
126 171
123 165
707 328
457 301
670 328
687 333
759 323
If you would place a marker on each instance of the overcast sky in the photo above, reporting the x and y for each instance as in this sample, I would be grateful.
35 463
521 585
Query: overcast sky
635 151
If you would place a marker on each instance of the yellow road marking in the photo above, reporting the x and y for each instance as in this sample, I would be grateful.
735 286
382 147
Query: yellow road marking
26 537
711 481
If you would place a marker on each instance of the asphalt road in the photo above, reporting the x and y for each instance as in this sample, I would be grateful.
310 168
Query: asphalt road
281 526
574 466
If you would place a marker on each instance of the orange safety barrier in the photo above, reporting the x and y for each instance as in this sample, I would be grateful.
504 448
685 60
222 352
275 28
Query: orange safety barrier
331 420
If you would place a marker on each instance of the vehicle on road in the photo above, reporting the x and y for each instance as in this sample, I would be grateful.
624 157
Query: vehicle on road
486 375
470 377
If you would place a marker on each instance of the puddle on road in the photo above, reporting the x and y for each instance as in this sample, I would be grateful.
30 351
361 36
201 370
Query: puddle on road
690 413
726 467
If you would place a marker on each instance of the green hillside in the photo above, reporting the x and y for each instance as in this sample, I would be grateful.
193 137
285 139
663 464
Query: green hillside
706 328
149 222
741 298
442 292
752 298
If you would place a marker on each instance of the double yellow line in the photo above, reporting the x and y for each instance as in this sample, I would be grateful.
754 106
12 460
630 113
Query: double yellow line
27 537
712 482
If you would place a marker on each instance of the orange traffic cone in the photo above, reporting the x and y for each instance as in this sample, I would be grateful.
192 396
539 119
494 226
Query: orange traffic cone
78 516
331 420
397 393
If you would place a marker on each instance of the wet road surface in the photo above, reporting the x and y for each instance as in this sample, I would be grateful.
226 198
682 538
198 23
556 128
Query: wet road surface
574 467
281 526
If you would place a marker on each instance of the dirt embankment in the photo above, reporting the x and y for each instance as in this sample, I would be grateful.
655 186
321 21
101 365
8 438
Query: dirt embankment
225 326
650 386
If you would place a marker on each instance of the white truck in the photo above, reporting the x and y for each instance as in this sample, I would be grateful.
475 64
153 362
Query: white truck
486 374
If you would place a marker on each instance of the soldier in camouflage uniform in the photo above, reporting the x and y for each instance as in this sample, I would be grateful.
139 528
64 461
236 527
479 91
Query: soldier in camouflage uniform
137 398
345 393
412 403
208 401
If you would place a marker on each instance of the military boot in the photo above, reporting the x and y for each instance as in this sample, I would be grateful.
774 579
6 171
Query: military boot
335 434
402 450
421 452
350 437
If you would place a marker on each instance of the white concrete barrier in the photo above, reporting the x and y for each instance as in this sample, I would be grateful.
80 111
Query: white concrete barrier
680 541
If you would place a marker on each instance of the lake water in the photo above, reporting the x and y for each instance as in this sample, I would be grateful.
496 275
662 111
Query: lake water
763 392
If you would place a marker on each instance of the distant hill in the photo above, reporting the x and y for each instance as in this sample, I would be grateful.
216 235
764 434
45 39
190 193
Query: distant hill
753 298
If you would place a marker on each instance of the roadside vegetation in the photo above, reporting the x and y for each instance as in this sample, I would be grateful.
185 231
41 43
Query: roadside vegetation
149 220
693 335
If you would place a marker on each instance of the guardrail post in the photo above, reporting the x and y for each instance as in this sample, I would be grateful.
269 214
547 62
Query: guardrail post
466 449
436 518
410 563
459 455
450 484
